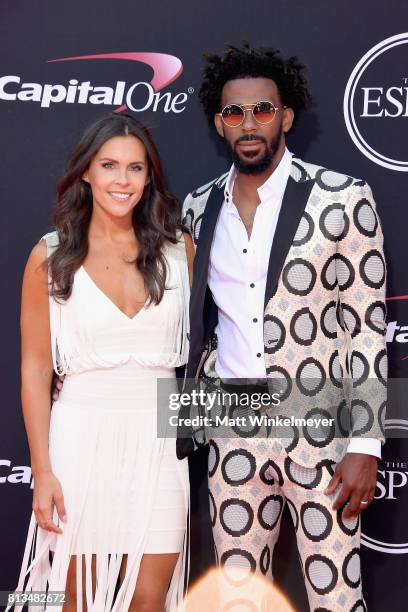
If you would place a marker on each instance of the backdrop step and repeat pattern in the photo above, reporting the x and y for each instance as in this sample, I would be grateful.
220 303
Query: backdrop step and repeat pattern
64 63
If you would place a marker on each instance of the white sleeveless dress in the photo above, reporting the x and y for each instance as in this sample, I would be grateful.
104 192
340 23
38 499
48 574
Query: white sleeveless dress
125 491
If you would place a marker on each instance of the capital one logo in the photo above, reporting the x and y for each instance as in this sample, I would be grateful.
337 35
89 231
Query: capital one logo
14 474
376 103
392 487
138 96
396 332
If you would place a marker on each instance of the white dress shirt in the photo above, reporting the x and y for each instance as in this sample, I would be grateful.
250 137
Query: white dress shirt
237 279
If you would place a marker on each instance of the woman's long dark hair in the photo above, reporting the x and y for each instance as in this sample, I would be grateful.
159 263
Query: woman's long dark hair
155 217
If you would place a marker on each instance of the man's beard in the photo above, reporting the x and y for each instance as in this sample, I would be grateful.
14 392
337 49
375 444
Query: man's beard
248 167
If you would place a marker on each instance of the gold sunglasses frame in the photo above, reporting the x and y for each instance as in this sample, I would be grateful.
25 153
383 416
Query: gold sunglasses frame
249 107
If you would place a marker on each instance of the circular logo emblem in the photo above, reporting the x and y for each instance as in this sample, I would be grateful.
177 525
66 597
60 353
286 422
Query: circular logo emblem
376 104
391 488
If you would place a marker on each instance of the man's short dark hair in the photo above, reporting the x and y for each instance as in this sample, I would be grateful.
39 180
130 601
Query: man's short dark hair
246 62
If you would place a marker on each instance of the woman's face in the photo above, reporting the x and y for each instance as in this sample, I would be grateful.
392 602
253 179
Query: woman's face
117 175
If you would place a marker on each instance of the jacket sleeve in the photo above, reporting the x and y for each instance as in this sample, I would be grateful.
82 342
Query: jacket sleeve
361 277
187 216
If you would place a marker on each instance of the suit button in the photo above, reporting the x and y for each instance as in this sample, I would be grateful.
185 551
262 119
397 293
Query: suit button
259 355
245 250
255 320
252 285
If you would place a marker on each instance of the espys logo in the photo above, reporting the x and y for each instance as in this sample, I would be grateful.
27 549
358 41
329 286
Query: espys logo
138 97
391 487
376 104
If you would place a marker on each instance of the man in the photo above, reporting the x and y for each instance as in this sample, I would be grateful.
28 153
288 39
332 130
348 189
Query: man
289 282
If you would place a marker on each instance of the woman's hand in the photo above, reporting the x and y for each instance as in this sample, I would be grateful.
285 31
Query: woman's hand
47 493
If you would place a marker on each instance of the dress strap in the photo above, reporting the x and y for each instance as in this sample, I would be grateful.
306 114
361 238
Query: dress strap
52 241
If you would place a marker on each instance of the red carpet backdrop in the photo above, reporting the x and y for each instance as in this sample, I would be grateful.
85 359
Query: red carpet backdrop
64 63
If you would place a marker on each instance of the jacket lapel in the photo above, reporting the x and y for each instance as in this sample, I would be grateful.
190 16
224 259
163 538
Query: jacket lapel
293 204
202 262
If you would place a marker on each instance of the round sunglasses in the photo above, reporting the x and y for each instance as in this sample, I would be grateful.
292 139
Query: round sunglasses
263 112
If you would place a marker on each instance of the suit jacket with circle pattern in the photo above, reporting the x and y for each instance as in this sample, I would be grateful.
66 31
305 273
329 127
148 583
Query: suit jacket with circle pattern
324 309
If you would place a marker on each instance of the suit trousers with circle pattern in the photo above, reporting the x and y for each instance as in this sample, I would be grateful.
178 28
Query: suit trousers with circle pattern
249 483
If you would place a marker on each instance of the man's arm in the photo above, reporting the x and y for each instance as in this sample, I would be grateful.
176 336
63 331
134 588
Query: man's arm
361 276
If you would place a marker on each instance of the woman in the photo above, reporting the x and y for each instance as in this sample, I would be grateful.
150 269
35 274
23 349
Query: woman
105 303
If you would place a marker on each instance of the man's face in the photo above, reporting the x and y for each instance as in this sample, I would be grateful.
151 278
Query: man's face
254 146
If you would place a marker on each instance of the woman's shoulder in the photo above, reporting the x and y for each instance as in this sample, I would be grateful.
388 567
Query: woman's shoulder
36 263
42 250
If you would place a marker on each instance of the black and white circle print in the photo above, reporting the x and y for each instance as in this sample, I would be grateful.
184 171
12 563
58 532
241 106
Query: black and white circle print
238 466
237 558
299 276
265 559
197 226
375 317
321 573
270 473
269 511
289 436
316 521
359 606
337 269
328 320
359 368
335 370
327 464
339 315
344 271
332 181
328 274
351 319
334 222
274 334
322 435
303 174
213 509
279 381
372 269
343 418
306 477
310 376
293 513
213 458
362 417
236 517
381 366
303 327
351 568
350 527
188 219
304 231
242 426
365 218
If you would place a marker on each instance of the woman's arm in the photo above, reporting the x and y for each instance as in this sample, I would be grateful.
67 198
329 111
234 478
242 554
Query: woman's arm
36 375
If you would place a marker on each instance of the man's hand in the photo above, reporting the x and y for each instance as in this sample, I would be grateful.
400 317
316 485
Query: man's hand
57 382
357 473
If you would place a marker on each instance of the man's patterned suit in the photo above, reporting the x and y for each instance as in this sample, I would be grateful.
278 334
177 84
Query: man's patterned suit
324 320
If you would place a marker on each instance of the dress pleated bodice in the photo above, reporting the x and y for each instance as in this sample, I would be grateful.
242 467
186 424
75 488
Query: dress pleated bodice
89 331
